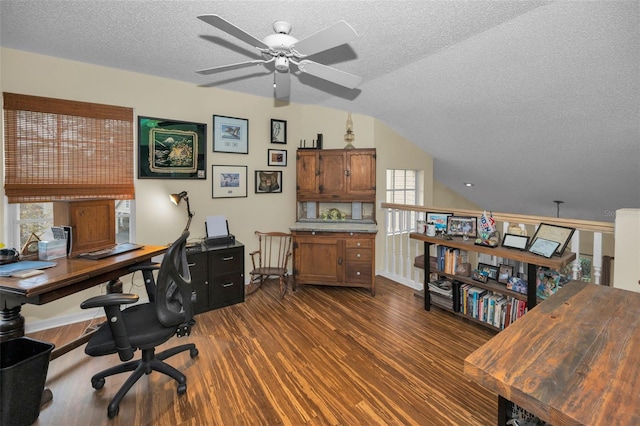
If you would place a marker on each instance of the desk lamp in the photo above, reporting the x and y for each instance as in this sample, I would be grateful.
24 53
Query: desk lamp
176 198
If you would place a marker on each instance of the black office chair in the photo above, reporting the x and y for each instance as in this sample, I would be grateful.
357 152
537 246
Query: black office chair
147 325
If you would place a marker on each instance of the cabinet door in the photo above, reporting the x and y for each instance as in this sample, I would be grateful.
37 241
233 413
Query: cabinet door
333 173
361 172
199 280
307 171
318 260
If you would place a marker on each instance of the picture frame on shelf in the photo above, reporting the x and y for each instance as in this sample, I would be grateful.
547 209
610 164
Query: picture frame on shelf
518 242
458 225
229 181
561 234
439 220
544 247
230 134
504 273
489 270
479 276
277 157
171 149
278 131
268 181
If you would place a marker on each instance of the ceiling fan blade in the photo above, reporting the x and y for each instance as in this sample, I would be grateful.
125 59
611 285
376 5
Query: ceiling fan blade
282 81
335 35
231 66
231 29
330 74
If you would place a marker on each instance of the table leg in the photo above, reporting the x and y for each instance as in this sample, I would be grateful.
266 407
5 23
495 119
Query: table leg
502 411
11 323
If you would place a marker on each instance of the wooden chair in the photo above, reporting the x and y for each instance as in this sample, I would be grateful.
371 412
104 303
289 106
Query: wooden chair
271 260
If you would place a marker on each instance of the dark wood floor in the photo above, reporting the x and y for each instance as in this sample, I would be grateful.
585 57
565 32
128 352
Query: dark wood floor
321 356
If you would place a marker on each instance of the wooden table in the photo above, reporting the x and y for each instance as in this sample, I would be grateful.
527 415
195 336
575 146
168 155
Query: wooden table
572 360
69 276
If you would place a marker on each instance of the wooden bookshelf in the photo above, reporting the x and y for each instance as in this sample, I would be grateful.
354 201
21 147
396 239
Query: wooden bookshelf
533 261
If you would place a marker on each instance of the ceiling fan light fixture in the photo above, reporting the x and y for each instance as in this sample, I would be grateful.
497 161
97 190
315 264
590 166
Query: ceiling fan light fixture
282 63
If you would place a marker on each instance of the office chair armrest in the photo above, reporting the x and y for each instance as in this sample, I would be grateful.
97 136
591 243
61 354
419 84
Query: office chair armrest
111 299
150 266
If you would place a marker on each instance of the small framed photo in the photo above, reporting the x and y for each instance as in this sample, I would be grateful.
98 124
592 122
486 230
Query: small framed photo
278 131
489 270
519 242
268 182
277 157
229 181
560 234
544 247
504 273
230 134
439 220
479 276
462 225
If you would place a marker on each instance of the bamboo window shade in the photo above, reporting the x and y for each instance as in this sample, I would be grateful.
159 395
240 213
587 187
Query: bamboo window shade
58 149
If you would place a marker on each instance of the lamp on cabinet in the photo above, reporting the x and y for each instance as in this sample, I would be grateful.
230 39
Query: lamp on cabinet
176 198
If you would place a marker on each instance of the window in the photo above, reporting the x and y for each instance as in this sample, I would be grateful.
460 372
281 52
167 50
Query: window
403 187
37 218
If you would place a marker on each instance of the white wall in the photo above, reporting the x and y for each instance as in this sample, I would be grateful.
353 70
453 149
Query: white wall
158 221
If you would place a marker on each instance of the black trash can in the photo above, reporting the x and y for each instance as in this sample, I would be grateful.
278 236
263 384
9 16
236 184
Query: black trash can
23 372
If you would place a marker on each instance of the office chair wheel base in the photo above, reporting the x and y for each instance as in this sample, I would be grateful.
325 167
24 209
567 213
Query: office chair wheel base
193 352
182 389
113 412
97 383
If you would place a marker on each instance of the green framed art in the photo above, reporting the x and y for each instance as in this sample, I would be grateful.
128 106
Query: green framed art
171 149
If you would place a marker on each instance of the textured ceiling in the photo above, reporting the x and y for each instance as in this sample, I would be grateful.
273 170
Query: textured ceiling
532 101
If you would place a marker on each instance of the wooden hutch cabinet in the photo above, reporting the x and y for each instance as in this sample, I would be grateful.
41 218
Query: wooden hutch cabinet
336 174
334 236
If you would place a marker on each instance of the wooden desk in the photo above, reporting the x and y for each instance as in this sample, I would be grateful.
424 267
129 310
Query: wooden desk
69 276
572 360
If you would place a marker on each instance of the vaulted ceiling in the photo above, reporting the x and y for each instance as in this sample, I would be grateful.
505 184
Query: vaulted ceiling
531 101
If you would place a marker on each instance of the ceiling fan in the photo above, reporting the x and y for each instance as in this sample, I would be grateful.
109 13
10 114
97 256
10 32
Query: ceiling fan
283 50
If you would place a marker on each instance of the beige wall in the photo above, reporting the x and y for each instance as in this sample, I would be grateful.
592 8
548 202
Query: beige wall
158 221
444 197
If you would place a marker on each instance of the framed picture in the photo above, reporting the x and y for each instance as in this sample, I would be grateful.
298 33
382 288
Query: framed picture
268 182
489 270
229 181
278 131
504 273
277 157
439 219
479 276
544 247
560 234
230 134
459 225
519 242
171 149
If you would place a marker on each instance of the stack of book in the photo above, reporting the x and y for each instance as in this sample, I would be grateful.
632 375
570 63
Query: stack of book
441 293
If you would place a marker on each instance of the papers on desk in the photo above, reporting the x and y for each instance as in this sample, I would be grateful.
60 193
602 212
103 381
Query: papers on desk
23 265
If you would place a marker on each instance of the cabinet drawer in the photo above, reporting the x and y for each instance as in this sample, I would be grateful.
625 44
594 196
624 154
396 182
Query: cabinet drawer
226 289
228 261
351 243
358 272
359 255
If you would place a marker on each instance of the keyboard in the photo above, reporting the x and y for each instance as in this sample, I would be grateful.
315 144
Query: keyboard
112 251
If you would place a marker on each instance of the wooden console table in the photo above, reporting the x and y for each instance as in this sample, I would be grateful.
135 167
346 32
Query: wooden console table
572 360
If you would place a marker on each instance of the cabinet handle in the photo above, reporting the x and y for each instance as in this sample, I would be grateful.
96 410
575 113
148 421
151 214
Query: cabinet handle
190 265
227 285
358 273
347 173
358 244
227 258
339 261
358 255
